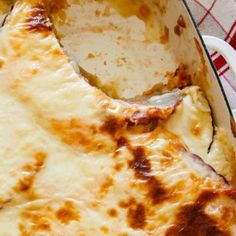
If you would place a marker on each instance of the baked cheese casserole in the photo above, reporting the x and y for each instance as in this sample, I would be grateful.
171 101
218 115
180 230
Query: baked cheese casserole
77 162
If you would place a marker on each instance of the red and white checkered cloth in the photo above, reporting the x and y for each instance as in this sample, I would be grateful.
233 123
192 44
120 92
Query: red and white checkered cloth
218 18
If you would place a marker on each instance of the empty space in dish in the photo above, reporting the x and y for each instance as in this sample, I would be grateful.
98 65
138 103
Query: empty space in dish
124 47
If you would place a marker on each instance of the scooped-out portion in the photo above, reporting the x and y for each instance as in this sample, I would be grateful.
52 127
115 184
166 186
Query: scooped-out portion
121 46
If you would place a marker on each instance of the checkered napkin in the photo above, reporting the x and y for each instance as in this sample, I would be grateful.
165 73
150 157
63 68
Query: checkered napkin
218 18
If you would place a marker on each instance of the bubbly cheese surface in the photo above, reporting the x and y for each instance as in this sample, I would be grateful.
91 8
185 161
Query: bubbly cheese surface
76 162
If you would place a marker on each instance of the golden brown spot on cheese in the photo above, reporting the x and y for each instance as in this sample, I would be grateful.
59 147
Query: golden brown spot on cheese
38 20
193 177
104 229
143 118
140 164
166 162
24 184
174 146
122 141
142 167
57 52
77 133
67 213
35 71
166 153
118 167
165 37
30 170
1 204
44 226
196 130
228 214
151 116
192 219
40 158
112 213
105 187
1 63
136 216
16 45
113 125
33 222
39 227
130 202
156 191
4 202
181 22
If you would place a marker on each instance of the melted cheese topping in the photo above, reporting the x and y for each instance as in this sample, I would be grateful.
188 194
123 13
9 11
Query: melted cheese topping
76 162
194 121
195 128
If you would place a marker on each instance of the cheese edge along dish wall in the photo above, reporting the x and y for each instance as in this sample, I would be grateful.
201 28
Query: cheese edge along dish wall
21 93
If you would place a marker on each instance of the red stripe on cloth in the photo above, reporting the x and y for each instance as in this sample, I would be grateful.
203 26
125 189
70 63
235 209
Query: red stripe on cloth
219 62
207 13
200 4
225 70
232 42
213 54
233 38
230 39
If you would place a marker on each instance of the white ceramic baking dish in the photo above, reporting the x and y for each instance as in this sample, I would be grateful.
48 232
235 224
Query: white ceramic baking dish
222 113
179 39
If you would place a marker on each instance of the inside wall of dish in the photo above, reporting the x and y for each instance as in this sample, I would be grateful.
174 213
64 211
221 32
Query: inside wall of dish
121 47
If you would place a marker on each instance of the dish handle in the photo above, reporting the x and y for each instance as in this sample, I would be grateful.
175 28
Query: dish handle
225 50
